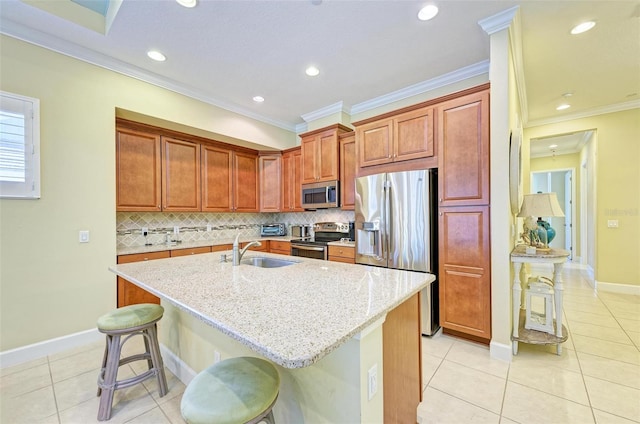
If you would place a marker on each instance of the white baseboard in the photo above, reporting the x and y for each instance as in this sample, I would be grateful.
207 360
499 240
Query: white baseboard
618 288
501 351
17 356
177 365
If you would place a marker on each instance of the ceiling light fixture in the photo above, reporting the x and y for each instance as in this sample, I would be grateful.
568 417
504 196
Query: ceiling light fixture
258 99
156 55
428 12
553 146
583 27
563 106
187 3
312 71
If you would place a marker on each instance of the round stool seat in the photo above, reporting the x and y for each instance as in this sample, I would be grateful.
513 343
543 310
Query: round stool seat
130 316
235 390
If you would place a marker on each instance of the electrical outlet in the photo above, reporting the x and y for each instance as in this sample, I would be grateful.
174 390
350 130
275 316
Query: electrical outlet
176 229
216 357
612 223
372 378
208 227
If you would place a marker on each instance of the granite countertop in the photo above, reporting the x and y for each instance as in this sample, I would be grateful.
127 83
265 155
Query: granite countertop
293 315
342 243
189 245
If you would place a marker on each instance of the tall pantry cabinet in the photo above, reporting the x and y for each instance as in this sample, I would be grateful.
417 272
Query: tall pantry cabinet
463 206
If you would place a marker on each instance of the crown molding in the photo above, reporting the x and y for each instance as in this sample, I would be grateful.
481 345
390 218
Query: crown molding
499 21
38 38
618 107
458 75
325 111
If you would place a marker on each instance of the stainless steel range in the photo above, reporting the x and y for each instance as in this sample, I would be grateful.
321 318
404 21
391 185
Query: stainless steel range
317 246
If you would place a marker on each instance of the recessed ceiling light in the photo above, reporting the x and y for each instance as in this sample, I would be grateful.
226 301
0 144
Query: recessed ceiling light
187 3
428 12
156 55
553 146
258 99
563 106
312 71
583 27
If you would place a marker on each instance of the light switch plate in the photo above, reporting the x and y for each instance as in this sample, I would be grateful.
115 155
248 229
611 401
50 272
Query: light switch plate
83 236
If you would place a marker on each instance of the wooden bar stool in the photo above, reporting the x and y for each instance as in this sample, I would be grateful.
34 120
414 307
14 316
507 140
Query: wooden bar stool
233 391
129 321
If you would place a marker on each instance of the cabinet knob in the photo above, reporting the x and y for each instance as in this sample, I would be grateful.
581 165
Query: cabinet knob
441 200
389 157
440 214
158 206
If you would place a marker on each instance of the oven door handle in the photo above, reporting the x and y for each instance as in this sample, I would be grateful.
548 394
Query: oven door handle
303 247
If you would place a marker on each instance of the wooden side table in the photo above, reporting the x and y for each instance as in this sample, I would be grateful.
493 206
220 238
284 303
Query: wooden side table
557 257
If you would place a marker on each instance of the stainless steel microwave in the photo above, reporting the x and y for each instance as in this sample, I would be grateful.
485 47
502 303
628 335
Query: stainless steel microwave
320 195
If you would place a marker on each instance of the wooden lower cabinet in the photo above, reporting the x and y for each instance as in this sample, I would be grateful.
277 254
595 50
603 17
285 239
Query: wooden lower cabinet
402 356
191 251
221 247
465 279
129 293
346 254
280 247
264 247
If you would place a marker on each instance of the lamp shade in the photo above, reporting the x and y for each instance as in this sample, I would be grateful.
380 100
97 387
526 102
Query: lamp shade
540 204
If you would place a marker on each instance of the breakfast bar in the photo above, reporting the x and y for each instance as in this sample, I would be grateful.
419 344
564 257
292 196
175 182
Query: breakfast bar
321 322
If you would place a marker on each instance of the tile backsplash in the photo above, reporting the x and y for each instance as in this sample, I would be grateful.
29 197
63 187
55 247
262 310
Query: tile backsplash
202 226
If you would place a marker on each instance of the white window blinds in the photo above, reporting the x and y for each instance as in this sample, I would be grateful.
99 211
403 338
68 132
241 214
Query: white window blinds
19 147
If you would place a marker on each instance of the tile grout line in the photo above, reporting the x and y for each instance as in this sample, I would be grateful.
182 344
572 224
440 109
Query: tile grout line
53 389
504 392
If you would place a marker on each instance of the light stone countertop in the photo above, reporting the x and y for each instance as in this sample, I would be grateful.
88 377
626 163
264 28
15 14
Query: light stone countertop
293 315
342 243
189 245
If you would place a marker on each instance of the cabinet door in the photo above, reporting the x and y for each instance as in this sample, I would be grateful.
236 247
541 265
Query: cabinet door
181 175
129 293
309 150
374 142
245 182
413 135
217 181
286 183
190 251
465 281
138 185
280 247
463 150
328 156
270 182
296 164
348 172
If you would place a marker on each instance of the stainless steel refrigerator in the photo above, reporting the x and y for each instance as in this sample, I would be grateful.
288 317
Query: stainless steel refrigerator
396 227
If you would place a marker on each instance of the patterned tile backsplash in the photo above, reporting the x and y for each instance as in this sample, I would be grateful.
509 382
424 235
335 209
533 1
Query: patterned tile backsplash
202 226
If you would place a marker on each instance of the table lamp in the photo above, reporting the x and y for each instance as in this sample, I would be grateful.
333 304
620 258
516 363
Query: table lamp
540 204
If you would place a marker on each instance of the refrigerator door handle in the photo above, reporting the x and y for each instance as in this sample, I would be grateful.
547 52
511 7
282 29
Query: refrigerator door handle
387 220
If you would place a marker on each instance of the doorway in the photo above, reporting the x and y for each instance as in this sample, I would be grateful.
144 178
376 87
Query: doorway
561 182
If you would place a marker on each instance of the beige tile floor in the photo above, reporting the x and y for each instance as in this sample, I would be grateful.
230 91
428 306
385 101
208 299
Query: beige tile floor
595 380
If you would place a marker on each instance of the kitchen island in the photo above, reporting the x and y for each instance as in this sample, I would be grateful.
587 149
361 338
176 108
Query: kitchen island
320 321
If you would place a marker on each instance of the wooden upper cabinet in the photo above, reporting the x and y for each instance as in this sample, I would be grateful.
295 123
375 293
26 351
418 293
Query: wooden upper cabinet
230 180
320 154
181 175
291 194
348 171
270 171
396 138
245 182
217 181
138 171
463 150
465 278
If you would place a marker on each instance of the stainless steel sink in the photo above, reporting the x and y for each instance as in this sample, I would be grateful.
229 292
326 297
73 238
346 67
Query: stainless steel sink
263 262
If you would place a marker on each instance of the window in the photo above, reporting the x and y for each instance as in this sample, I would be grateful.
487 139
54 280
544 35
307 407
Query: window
19 147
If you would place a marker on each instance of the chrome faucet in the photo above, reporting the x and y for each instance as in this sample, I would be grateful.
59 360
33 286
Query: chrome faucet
237 253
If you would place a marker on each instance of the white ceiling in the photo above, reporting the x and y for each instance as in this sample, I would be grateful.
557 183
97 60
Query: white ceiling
226 52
